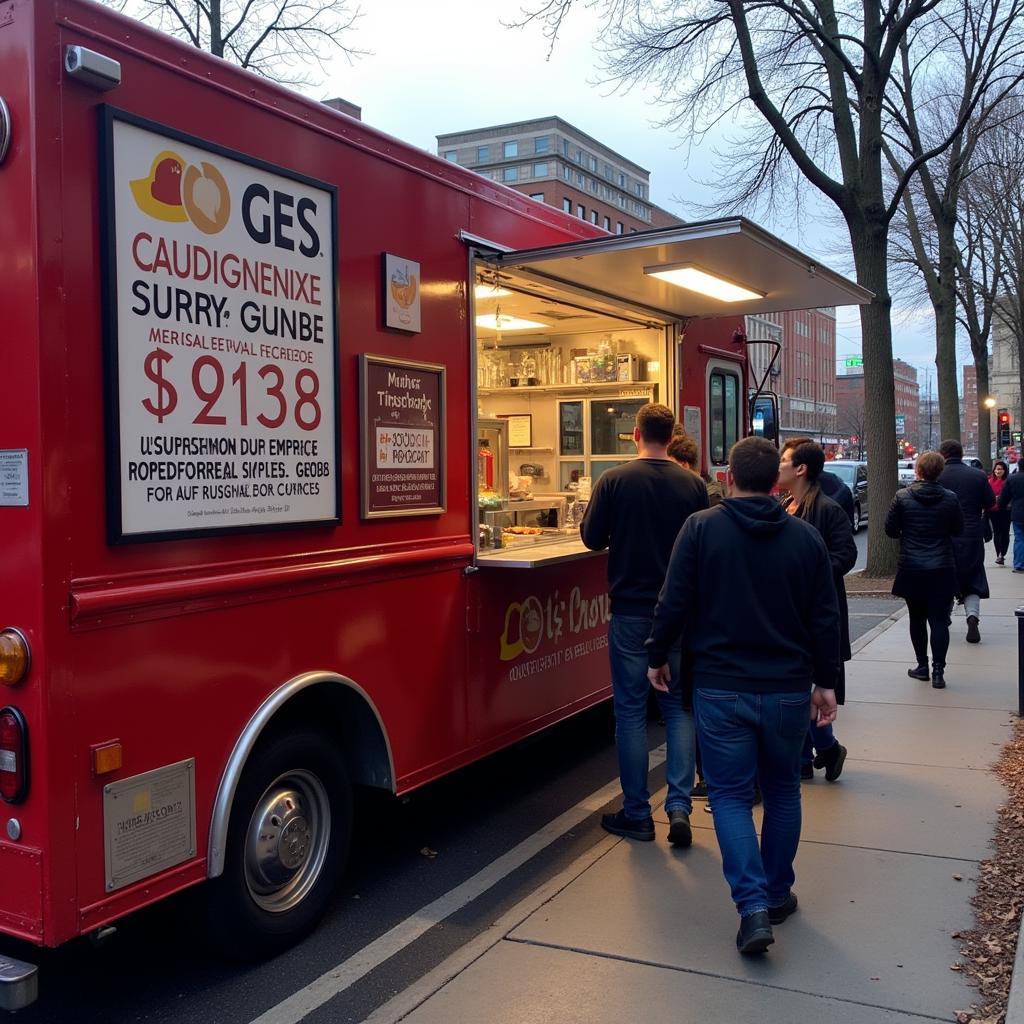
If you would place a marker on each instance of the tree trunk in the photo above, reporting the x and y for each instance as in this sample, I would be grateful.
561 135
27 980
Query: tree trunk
216 29
869 240
984 412
944 303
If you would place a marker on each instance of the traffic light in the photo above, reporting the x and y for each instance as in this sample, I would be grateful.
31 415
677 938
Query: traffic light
1004 428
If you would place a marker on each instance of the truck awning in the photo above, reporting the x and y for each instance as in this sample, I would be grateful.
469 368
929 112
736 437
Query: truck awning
734 250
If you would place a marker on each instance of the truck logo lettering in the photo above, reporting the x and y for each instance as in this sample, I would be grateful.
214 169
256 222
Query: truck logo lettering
176 192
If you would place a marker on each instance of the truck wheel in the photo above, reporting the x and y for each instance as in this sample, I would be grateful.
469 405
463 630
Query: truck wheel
288 839
856 518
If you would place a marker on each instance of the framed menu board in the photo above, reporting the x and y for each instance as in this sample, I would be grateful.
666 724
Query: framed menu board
402 437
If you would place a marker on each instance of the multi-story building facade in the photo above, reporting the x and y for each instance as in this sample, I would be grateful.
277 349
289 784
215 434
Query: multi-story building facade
554 162
969 408
804 374
1004 373
850 403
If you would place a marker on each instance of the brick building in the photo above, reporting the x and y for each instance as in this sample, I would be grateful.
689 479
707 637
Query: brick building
554 162
850 404
804 375
969 409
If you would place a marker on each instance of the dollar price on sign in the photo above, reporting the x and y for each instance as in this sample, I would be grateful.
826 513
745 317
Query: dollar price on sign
167 396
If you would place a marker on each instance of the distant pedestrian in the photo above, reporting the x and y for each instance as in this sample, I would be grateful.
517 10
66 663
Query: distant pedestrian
800 470
999 517
750 588
925 518
636 510
972 489
1012 497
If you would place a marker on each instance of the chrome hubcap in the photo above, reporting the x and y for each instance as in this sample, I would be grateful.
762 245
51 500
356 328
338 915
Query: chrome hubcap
286 844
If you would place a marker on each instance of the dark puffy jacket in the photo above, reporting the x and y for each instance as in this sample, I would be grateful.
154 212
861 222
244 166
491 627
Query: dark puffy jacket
925 516
834 488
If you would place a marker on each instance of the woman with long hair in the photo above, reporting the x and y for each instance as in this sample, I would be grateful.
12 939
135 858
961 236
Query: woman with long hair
999 517
800 470
924 517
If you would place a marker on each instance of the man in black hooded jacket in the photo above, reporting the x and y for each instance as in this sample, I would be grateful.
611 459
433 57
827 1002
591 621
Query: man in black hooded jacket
750 588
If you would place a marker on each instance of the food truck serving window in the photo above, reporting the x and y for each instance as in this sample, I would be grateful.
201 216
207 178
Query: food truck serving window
723 414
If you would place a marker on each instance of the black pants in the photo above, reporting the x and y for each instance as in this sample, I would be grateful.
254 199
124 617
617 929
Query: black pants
1000 531
929 614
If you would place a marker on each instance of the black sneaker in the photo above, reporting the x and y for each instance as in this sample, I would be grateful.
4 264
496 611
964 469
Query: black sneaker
699 791
973 636
806 772
755 934
632 828
832 760
921 672
679 831
938 679
776 915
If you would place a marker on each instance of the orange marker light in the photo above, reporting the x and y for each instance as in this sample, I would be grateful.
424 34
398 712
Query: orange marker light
106 757
14 657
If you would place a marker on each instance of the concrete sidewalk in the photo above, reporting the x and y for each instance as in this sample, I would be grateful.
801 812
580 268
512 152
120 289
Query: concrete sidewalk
885 872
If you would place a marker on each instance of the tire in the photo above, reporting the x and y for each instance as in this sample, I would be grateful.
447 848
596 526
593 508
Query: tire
857 521
288 841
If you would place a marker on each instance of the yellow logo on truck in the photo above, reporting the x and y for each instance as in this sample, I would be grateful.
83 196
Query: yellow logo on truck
176 191
524 627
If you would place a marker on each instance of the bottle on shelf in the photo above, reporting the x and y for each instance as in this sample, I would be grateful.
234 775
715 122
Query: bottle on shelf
485 466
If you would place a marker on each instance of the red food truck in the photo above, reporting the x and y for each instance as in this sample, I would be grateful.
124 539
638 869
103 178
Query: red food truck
298 422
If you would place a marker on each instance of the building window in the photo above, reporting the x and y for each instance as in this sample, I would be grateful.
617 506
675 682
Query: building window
579 156
622 181
581 212
542 145
539 196
579 179
566 205
511 174
540 170
451 154
593 216
565 148
593 164
566 172
607 223
618 227
511 149
483 154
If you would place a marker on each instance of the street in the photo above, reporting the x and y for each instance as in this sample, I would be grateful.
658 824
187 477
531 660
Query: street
429 874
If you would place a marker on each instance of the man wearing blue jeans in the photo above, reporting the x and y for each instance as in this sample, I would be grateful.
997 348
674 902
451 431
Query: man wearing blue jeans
750 589
636 511
1012 497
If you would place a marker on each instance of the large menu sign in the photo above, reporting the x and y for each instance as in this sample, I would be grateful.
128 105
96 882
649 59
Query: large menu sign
220 338
403 438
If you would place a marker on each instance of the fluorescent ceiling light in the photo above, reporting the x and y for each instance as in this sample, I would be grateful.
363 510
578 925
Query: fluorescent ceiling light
503 322
694 279
490 291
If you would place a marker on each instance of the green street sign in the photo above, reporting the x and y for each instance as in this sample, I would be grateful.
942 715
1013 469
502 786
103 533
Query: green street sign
854 360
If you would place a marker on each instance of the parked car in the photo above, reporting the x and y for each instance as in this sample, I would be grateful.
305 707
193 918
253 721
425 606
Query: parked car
905 472
855 475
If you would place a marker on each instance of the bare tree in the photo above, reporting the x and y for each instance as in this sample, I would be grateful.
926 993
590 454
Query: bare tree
987 49
278 39
852 422
823 80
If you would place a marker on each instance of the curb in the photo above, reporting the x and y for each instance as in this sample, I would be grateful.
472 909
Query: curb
1015 1004
876 631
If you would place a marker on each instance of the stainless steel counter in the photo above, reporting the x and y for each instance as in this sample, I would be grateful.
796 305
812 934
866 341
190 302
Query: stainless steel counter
527 556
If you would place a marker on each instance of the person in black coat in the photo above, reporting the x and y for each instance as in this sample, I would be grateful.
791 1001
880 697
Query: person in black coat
974 493
834 488
1012 497
925 518
800 472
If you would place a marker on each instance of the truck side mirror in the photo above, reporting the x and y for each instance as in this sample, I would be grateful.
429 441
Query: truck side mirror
764 416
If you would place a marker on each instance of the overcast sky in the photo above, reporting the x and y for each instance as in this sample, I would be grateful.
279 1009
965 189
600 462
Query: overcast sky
450 65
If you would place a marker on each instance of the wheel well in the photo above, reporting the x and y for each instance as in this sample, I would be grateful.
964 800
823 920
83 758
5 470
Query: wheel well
332 702
346 713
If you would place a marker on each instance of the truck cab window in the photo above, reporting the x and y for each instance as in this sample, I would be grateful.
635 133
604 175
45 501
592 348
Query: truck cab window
723 415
